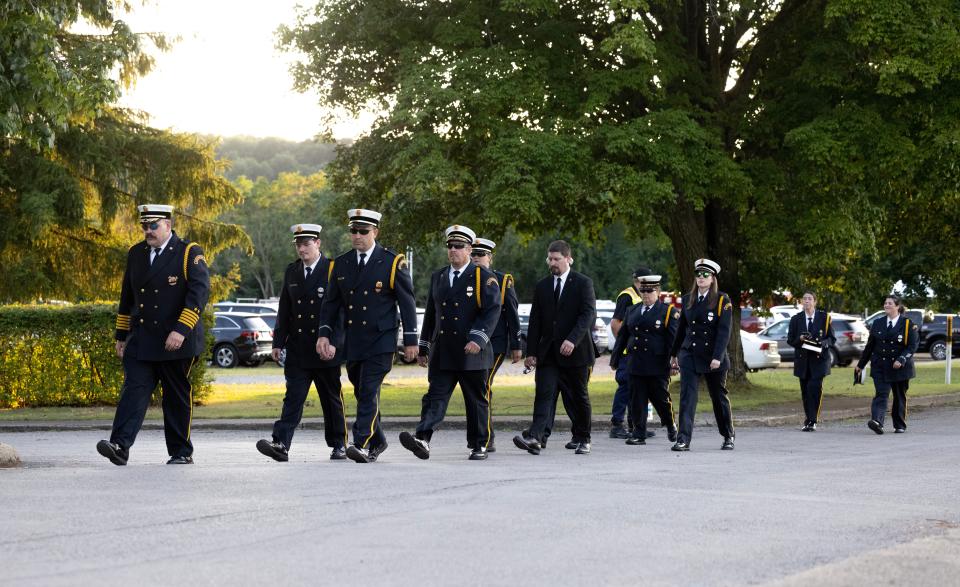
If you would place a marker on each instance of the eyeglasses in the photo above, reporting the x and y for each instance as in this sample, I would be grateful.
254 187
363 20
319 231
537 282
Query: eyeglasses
457 246
703 274
359 231
478 253
149 225
647 290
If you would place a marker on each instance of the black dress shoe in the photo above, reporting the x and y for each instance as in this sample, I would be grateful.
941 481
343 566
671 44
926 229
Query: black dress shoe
672 433
491 448
634 441
618 431
572 445
417 446
273 449
117 454
359 455
180 461
651 433
899 430
813 427
680 447
875 426
375 451
338 454
727 444
531 445
478 454
583 448
805 428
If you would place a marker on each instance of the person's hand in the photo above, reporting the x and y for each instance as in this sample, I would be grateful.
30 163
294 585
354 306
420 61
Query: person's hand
121 345
857 370
714 364
276 355
566 349
530 362
897 364
674 364
322 343
516 356
423 360
174 341
472 348
410 353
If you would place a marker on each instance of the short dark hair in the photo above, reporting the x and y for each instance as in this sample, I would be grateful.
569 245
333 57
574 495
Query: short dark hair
559 247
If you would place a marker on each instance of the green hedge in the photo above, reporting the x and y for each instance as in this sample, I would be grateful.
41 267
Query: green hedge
65 356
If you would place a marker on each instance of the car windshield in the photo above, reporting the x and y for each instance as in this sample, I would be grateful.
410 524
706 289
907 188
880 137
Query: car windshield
255 323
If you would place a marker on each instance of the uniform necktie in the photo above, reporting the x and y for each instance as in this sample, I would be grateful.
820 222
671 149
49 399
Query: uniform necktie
889 324
456 274
363 262
156 253
556 290
700 299
309 271
809 324
644 310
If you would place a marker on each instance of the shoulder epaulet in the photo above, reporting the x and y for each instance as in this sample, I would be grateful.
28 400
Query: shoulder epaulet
398 261
330 269
505 284
186 257
666 320
829 319
723 303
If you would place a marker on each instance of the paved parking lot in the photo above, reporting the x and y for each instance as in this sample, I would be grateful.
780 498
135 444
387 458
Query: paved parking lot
841 506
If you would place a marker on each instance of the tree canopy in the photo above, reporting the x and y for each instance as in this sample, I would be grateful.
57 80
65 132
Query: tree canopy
795 142
73 165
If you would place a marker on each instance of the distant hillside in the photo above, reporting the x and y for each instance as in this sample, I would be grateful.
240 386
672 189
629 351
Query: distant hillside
268 157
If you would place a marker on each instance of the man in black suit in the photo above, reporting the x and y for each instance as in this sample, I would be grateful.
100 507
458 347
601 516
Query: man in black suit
304 286
366 287
506 337
159 335
811 334
463 306
560 346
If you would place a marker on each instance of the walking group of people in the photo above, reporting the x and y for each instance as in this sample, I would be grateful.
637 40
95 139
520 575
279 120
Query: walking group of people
344 312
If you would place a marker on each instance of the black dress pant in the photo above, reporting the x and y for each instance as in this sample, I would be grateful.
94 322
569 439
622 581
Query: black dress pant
878 408
140 378
572 385
716 384
811 392
367 377
497 363
653 389
327 382
434 404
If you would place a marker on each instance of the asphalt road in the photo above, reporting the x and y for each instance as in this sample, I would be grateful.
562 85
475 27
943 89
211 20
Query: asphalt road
838 507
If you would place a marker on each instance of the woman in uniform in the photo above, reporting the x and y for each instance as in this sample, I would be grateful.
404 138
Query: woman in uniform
890 348
700 350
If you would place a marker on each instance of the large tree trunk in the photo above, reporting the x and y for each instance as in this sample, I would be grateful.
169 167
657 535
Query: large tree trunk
710 233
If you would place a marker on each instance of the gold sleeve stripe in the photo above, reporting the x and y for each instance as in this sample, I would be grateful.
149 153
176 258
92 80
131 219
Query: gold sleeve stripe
393 269
123 322
507 282
186 257
477 273
190 312
189 318
330 270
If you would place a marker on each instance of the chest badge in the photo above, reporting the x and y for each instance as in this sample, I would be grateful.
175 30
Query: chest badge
899 338
320 292
378 287
172 280
469 290
710 316
657 323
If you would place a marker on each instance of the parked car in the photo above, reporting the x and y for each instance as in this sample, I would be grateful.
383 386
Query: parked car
850 331
251 306
420 314
240 337
778 313
750 321
601 328
759 353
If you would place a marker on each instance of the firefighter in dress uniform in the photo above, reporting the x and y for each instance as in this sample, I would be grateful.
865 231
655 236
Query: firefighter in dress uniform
811 335
304 285
890 349
700 350
366 288
463 306
643 344
159 335
506 337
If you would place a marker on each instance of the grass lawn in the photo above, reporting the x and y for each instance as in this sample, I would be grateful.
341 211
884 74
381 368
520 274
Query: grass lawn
513 396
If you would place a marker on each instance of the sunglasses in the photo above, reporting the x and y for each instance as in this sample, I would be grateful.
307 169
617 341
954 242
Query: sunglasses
478 253
149 225
647 290
359 231
703 274
457 246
